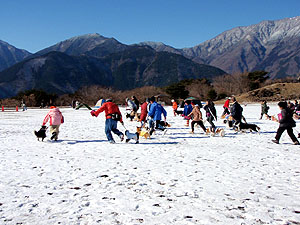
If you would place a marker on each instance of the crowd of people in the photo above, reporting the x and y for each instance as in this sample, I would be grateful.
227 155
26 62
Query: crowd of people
154 115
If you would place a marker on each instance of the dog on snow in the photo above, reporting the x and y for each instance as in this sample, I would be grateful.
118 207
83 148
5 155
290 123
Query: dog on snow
246 126
41 133
132 136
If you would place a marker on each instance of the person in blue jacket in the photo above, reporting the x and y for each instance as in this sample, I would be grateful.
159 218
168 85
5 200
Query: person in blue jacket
188 108
154 113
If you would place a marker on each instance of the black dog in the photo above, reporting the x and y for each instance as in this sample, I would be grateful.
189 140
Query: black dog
246 126
41 133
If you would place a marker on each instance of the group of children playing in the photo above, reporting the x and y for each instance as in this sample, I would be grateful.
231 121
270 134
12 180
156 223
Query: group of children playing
151 113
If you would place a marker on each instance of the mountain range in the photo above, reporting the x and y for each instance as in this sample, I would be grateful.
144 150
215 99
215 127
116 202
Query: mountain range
10 55
136 66
273 46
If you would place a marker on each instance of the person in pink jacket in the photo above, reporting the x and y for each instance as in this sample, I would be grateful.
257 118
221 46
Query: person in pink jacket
56 119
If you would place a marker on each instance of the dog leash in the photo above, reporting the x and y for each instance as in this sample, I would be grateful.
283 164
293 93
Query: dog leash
123 126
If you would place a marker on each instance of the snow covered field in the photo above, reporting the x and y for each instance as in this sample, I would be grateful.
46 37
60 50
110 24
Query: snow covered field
176 178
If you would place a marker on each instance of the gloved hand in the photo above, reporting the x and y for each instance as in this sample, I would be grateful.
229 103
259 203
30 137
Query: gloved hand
93 113
122 123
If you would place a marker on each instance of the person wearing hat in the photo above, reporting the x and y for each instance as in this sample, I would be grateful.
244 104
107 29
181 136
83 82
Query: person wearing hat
112 115
286 122
56 119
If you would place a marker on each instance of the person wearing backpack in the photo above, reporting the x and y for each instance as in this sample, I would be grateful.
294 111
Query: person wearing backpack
112 115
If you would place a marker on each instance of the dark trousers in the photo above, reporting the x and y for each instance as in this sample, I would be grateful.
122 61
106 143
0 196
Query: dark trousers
160 125
200 123
226 111
289 131
210 120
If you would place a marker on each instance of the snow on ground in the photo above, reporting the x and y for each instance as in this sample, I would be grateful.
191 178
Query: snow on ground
176 178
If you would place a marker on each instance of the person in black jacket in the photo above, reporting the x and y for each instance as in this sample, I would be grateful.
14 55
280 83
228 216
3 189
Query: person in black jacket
286 123
236 111
211 114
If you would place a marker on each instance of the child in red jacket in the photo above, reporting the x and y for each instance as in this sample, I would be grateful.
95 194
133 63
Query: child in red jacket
112 115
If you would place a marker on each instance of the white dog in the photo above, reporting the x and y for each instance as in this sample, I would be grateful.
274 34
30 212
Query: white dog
132 136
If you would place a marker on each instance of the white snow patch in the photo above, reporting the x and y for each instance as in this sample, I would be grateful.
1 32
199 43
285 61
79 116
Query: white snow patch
176 178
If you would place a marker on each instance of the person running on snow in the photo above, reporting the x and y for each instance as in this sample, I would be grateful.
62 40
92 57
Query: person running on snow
211 114
144 112
236 111
132 107
56 119
174 106
188 108
264 110
112 115
155 114
226 108
197 118
286 122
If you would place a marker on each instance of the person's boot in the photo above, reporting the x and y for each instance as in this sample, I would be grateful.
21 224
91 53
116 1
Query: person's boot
296 143
275 141
54 134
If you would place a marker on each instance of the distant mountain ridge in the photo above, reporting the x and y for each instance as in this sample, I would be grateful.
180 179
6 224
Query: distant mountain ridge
10 55
137 66
273 46
89 44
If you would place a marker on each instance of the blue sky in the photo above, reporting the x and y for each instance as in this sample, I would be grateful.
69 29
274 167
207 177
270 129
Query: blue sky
34 25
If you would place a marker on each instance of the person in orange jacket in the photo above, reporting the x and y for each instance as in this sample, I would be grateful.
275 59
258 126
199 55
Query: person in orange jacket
112 115
174 106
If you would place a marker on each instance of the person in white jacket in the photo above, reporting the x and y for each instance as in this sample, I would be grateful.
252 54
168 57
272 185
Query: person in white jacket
56 119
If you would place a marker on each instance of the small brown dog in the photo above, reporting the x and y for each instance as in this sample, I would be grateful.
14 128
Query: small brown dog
143 132
218 131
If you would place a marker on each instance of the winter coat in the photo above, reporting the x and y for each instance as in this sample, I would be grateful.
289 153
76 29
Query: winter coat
174 106
109 108
196 113
156 110
131 105
187 109
264 108
55 116
226 104
137 103
144 111
236 111
211 111
287 118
